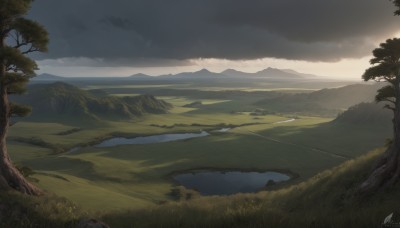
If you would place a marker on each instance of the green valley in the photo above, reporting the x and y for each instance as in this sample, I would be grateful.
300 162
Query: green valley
138 176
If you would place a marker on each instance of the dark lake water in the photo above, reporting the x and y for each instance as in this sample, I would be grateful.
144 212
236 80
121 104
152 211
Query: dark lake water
150 139
228 183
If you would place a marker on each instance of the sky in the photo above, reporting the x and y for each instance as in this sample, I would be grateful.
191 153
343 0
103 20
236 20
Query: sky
125 37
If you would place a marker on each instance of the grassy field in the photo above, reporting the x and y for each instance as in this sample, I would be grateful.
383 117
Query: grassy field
132 185
139 176
328 199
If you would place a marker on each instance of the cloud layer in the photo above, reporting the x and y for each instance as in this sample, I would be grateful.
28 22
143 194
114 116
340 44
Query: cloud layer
128 31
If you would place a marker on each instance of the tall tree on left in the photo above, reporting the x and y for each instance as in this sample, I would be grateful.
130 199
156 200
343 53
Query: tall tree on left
19 36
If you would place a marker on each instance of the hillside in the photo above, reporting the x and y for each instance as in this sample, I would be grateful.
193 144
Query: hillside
365 113
326 200
48 77
61 101
325 102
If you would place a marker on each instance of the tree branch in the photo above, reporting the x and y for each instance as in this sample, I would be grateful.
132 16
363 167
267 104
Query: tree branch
31 49
390 108
388 100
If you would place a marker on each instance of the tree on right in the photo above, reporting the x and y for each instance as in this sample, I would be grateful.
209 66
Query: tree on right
386 68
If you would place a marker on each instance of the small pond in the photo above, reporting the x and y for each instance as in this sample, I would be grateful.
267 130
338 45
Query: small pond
150 139
228 183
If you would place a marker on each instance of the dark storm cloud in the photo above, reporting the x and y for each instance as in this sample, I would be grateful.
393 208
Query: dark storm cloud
315 30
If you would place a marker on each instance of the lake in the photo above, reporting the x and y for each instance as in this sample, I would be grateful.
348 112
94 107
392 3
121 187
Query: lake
228 183
150 139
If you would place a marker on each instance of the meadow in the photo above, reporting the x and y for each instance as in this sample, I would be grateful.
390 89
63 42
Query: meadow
139 176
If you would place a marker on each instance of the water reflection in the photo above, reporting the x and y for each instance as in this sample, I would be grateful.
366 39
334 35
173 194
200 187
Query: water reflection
227 183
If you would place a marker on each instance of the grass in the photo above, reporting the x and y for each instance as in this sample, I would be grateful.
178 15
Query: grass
131 186
46 211
137 176
327 199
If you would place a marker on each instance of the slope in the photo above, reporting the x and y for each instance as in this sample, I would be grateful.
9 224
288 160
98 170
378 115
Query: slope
325 102
61 101
365 113
326 200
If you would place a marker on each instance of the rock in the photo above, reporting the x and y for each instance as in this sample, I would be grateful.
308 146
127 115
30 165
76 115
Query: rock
91 223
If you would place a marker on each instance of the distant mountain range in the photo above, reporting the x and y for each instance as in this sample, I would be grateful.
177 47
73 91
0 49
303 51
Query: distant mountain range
269 73
204 74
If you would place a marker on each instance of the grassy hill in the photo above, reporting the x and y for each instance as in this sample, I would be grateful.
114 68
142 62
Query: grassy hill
325 102
366 113
325 200
62 102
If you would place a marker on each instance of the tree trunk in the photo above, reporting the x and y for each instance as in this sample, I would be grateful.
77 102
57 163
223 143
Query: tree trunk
385 174
387 171
10 177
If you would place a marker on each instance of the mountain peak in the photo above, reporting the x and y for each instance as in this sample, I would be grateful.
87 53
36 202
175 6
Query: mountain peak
139 75
46 76
230 71
204 70
271 72
270 69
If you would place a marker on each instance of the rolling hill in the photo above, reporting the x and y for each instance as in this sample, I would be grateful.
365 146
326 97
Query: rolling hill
326 102
365 113
61 101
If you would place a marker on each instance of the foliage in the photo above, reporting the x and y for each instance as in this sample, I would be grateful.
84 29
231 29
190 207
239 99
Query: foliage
18 37
386 68
24 36
397 4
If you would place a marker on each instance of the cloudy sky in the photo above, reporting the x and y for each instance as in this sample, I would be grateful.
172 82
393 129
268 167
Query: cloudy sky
124 37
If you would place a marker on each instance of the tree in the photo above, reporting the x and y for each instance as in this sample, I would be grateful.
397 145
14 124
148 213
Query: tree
19 37
397 4
386 68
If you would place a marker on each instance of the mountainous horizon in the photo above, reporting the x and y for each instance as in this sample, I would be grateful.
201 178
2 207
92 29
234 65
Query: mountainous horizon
267 73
